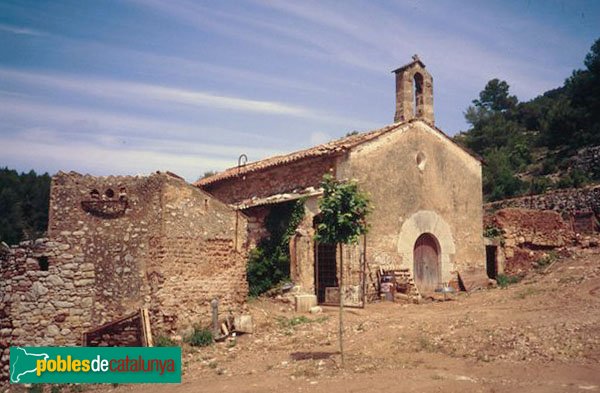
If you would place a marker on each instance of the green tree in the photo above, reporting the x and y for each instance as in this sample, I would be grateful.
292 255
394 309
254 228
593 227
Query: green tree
24 200
499 180
495 97
583 90
546 131
493 120
344 209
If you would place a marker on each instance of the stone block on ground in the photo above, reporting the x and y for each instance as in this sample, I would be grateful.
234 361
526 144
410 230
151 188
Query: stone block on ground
305 302
316 310
243 324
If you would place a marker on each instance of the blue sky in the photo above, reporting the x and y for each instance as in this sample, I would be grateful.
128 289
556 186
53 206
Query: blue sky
129 87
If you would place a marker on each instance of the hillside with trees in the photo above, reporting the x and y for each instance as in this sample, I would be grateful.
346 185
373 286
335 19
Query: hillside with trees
546 143
24 200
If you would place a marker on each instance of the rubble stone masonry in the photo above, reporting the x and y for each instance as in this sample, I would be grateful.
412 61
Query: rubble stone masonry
117 244
565 202
274 180
39 306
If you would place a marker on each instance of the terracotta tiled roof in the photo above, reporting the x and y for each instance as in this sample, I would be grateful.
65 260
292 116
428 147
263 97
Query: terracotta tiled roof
332 148
328 149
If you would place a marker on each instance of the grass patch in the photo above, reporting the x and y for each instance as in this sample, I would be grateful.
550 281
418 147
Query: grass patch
571 280
425 344
546 260
200 337
528 292
286 323
164 341
504 281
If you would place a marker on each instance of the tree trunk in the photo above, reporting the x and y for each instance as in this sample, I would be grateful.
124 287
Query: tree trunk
341 331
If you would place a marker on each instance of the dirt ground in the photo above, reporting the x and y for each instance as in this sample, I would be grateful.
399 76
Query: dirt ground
540 335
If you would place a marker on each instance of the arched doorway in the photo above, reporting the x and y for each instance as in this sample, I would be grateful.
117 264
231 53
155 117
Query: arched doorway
426 256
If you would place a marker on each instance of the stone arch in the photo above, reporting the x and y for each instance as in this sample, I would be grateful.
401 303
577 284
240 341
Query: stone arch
427 221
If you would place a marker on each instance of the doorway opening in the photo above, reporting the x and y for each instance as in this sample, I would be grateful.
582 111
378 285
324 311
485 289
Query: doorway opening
491 261
325 269
427 269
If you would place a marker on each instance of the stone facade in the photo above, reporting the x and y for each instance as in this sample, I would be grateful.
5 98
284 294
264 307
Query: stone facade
420 182
118 244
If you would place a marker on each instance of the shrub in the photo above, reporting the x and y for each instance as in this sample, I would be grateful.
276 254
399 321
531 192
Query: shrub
200 337
547 259
269 262
576 178
492 232
540 185
504 280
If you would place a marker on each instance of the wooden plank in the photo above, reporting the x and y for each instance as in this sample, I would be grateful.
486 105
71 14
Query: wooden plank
146 331
114 322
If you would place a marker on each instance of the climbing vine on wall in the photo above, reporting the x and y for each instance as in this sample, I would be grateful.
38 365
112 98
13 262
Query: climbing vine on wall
269 262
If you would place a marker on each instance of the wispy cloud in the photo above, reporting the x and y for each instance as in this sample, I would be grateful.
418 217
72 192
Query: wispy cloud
85 121
142 93
204 18
464 54
21 30
115 89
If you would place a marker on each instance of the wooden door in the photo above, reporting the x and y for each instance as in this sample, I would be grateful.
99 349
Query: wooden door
427 263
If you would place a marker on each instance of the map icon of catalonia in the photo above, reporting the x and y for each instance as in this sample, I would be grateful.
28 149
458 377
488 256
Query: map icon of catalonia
23 362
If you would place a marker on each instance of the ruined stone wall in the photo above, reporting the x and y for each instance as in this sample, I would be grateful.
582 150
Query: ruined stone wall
256 224
566 202
113 234
419 182
527 235
46 293
200 255
271 181
588 161
118 244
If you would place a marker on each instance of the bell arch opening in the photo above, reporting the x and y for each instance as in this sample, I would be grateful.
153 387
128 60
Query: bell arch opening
418 95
